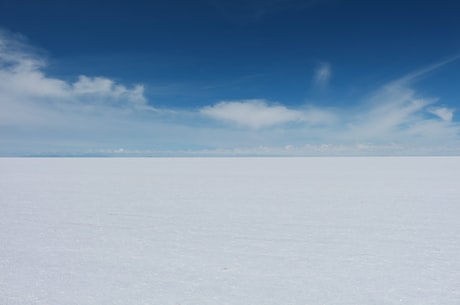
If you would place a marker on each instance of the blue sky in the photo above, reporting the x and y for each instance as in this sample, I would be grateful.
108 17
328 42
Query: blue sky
229 77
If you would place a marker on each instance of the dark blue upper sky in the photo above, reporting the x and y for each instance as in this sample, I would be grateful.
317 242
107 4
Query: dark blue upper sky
236 61
196 52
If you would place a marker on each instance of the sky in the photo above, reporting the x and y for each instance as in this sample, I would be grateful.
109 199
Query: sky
220 77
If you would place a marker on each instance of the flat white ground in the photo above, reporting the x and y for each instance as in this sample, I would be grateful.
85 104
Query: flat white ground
246 231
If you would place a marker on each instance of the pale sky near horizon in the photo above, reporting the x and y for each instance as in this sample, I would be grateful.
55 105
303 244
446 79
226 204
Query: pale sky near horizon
274 76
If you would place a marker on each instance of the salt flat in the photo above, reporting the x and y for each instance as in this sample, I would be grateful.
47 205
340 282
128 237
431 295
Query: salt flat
249 231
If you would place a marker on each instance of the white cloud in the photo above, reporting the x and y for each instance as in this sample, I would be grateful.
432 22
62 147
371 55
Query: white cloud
23 80
252 113
20 71
105 87
323 74
32 84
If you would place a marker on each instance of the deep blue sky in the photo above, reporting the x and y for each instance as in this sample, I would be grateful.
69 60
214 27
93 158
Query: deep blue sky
192 54
239 49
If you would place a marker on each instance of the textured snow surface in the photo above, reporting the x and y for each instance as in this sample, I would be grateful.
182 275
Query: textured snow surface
249 231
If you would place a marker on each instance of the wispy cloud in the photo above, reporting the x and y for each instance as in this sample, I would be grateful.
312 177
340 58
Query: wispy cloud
446 114
322 75
397 112
40 111
414 76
